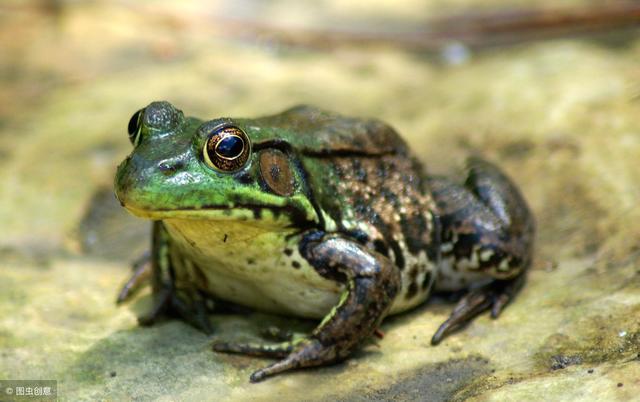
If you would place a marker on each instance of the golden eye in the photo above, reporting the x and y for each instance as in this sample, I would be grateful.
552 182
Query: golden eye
227 149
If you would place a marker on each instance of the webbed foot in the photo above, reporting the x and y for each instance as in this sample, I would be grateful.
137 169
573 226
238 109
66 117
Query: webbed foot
166 302
494 296
168 299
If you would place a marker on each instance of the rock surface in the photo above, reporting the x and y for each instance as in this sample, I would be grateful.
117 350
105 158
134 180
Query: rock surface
561 116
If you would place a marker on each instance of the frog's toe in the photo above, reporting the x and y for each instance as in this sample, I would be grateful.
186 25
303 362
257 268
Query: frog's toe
277 334
502 292
141 275
298 354
275 368
495 296
195 312
254 349
472 304
166 302
307 353
161 301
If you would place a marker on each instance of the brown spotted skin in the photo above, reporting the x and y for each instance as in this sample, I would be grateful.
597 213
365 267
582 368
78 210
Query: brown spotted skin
378 228
384 202
486 225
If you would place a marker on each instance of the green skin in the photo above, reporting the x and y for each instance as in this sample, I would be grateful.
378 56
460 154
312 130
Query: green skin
315 215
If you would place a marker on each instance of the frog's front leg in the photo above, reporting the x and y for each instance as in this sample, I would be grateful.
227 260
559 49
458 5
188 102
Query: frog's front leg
185 303
487 235
372 283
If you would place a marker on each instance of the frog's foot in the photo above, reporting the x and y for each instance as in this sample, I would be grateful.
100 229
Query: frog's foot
161 301
307 353
280 350
142 269
166 302
495 296
285 342
301 353
193 310
371 285
277 334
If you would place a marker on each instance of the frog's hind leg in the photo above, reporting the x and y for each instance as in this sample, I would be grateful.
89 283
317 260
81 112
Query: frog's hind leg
487 238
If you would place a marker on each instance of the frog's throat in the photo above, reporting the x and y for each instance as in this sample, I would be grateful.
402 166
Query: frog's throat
279 216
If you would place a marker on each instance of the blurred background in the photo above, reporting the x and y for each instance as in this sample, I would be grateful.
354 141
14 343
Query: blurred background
549 90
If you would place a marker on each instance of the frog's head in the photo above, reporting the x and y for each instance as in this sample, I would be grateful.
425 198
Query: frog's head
222 169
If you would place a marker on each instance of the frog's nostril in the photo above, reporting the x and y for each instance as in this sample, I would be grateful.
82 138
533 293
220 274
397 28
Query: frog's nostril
169 167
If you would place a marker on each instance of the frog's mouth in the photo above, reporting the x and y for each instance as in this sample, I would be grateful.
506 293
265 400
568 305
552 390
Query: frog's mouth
285 216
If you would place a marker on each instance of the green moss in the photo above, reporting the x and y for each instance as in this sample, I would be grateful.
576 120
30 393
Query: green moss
594 340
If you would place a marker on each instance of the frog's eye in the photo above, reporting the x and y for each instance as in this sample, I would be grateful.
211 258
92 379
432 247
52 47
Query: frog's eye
134 126
227 149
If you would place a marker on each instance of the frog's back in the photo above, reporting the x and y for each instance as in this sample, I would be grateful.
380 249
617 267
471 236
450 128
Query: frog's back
318 132
370 188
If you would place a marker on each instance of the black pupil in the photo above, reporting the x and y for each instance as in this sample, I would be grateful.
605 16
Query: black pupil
230 147
134 123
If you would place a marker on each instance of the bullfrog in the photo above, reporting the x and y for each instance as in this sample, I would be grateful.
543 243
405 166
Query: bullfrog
312 214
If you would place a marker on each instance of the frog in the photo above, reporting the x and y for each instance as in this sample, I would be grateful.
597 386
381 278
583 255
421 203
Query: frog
312 214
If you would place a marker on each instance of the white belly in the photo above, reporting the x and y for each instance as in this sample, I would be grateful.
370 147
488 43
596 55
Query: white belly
254 264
